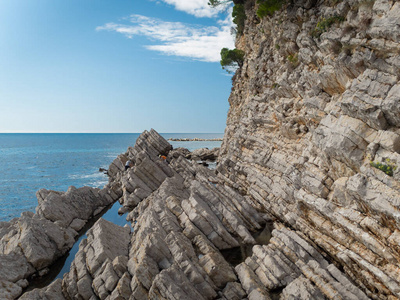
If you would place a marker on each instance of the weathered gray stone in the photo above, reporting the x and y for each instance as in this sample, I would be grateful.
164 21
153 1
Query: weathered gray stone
204 154
105 240
52 292
100 262
77 224
391 106
76 203
40 241
9 290
120 264
123 289
301 289
173 284
345 139
315 101
14 267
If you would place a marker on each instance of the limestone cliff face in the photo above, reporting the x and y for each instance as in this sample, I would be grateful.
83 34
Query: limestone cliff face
313 134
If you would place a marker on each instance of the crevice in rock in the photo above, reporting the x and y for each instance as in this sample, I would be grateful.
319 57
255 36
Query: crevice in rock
275 294
237 255
234 256
37 281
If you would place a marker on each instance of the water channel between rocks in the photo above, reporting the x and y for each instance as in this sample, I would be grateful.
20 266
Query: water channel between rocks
233 256
63 264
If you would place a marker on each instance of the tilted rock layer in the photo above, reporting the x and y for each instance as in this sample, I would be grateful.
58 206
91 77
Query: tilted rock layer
31 243
310 111
180 225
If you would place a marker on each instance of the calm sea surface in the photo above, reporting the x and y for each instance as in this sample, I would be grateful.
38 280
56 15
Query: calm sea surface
29 162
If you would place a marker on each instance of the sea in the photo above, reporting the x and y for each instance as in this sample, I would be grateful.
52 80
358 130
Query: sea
29 162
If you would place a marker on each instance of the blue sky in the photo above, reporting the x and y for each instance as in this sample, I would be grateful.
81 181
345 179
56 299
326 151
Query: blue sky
112 66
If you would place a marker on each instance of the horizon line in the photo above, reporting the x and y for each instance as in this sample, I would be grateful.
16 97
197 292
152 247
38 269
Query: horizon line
109 132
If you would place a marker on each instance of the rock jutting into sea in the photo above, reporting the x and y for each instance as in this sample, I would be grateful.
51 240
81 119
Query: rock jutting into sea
202 154
310 155
30 244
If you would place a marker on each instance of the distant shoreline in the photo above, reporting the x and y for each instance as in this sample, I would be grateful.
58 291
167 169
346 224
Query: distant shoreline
194 140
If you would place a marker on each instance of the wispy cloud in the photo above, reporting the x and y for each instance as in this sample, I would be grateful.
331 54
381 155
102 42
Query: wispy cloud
194 41
198 8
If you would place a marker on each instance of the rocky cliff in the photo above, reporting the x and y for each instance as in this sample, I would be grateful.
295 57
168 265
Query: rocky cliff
304 203
313 136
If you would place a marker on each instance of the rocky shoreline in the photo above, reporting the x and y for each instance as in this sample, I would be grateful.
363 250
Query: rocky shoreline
183 218
310 156
168 213
30 244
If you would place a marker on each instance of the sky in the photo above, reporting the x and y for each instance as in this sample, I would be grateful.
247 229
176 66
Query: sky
113 66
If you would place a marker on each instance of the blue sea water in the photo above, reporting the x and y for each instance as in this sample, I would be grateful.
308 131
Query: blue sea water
29 162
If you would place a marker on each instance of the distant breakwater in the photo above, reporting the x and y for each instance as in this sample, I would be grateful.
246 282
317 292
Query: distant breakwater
194 140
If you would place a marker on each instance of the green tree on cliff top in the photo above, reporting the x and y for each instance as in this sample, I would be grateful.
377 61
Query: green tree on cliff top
215 3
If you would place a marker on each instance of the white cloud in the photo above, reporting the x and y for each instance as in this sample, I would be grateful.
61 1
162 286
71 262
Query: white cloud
194 41
198 8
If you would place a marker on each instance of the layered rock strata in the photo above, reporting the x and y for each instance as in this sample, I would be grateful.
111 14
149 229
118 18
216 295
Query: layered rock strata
180 232
31 243
204 154
199 155
179 229
312 144
313 136
147 170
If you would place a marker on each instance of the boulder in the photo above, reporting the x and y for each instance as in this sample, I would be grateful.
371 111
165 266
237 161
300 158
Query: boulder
204 154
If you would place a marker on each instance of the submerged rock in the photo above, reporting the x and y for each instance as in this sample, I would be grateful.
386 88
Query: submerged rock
204 154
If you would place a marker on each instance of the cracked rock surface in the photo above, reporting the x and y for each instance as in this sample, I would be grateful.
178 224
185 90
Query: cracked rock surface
181 234
312 146
31 243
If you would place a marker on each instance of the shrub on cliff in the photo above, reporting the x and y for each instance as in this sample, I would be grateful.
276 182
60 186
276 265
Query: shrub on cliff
387 167
268 7
238 12
239 16
325 24
231 58
215 3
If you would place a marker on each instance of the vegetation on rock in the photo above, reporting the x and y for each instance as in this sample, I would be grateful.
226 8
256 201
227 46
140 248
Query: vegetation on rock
294 60
215 3
238 12
239 16
231 58
325 24
386 168
268 7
